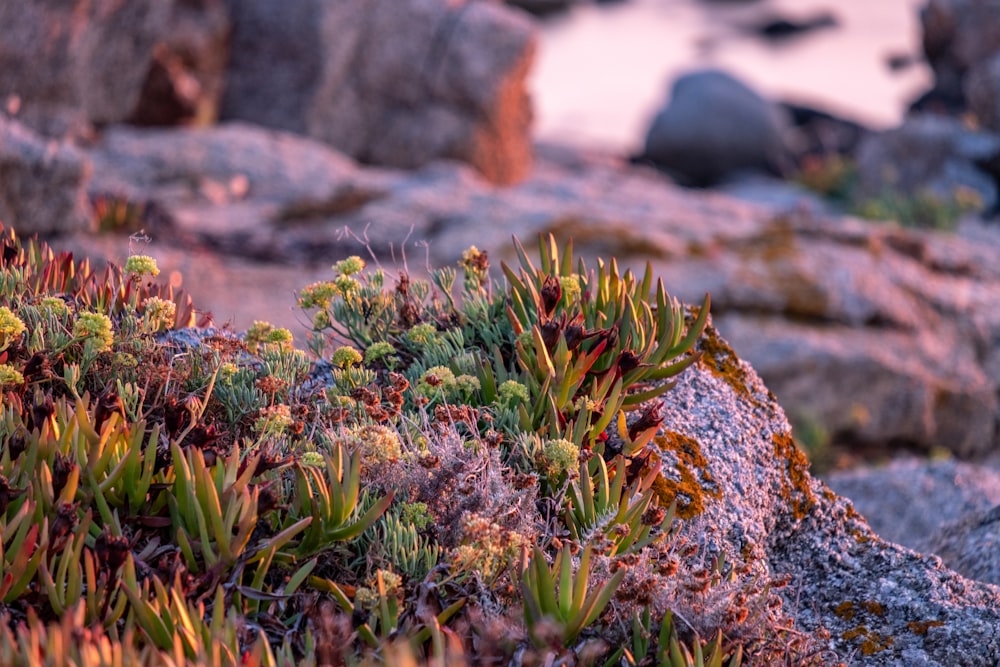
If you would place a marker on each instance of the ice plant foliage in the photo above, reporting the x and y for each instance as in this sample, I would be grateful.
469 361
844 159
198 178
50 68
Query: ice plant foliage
462 475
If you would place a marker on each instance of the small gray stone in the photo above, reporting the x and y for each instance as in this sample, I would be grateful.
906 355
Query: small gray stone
713 128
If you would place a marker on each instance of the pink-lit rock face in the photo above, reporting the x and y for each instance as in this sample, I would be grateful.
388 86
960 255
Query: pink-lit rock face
388 82
67 66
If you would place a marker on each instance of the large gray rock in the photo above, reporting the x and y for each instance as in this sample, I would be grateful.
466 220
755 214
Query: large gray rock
876 603
74 64
879 333
388 82
929 154
715 127
909 500
42 183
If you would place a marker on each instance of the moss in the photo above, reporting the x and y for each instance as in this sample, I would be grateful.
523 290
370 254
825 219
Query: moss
695 481
920 628
795 488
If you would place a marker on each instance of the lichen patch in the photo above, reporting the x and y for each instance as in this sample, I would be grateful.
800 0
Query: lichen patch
795 487
689 481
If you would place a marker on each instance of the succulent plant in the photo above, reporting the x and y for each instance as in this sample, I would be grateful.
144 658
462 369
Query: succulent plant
202 498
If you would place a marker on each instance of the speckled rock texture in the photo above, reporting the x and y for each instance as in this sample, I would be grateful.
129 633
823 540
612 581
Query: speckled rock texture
881 604
879 333
42 182
907 501
390 82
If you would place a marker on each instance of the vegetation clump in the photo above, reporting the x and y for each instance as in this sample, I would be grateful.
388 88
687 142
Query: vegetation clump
450 488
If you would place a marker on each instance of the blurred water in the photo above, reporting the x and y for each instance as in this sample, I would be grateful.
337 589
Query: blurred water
603 70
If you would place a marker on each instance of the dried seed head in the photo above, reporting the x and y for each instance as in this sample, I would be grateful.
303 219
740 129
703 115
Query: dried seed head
63 524
651 418
550 331
653 516
7 494
111 551
428 460
628 361
550 295
667 566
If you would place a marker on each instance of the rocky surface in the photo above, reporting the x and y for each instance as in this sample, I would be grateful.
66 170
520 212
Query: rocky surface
931 154
68 66
969 545
879 333
880 603
42 182
446 81
909 500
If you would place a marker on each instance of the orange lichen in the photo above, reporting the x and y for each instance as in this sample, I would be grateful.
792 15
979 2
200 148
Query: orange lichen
720 359
872 642
795 487
873 607
695 481
845 610
920 628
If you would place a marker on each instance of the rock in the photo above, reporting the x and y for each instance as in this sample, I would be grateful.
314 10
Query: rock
71 65
878 603
780 28
970 545
543 7
223 185
42 183
958 34
982 90
447 81
880 334
929 154
714 127
907 501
